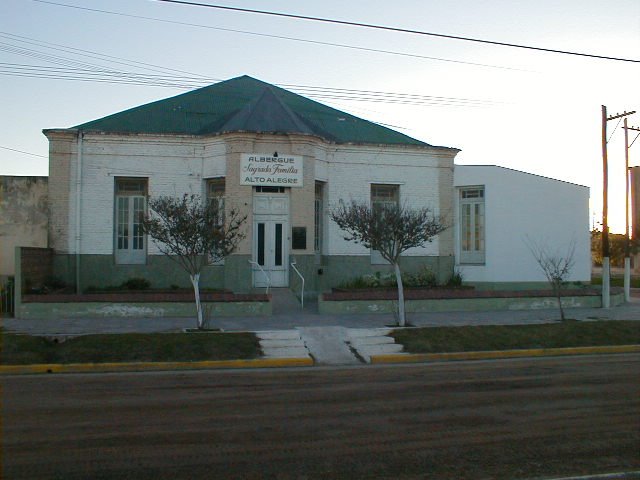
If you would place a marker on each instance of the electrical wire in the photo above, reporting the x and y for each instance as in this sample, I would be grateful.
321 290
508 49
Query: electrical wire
22 151
92 54
281 37
394 29
614 130
81 70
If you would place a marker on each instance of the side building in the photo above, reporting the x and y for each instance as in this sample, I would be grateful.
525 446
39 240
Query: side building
502 213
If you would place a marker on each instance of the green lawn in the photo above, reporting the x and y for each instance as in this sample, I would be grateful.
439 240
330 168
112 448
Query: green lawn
507 337
617 281
131 347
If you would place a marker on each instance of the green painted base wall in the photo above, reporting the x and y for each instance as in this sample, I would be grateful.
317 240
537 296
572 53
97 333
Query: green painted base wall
160 271
320 273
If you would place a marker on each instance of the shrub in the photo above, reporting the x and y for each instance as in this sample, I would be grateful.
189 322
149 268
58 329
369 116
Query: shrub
136 283
455 280
54 283
422 278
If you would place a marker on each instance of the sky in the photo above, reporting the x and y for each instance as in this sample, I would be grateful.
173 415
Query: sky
65 62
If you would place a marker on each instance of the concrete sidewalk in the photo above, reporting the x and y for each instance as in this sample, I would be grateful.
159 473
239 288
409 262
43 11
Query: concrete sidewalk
290 321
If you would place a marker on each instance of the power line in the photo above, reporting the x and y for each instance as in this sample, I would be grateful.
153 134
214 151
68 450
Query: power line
89 53
81 70
394 29
21 151
52 73
281 37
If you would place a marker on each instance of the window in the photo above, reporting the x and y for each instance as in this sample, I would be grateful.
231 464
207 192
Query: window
383 196
215 195
472 236
318 211
130 209
269 189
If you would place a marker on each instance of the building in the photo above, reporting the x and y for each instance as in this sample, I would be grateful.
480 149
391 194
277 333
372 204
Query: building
503 213
284 160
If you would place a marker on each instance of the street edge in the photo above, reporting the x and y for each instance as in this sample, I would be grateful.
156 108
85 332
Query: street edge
493 354
155 366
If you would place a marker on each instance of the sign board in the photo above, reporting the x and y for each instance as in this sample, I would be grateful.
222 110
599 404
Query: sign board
258 169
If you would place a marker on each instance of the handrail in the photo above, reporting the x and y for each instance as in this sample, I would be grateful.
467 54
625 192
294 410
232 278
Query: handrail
264 273
293 265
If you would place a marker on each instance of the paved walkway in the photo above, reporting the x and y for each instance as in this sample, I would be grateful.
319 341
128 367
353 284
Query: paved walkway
289 321
329 339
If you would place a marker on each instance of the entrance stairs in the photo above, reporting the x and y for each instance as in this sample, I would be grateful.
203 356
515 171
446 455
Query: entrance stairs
285 302
327 344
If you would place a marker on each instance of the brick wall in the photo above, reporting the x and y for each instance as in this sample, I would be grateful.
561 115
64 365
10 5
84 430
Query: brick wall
180 164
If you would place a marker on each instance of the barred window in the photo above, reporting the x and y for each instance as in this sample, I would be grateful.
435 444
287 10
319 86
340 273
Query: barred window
130 208
472 225
318 213
383 196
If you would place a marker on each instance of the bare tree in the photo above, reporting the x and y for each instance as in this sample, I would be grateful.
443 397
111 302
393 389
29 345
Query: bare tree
389 229
555 265
193 233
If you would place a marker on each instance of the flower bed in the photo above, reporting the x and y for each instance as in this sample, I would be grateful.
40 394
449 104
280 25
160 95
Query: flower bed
447 293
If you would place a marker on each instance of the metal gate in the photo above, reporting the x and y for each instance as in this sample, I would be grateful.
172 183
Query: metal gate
7 296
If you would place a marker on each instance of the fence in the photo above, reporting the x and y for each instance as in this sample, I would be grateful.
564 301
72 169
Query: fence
7 298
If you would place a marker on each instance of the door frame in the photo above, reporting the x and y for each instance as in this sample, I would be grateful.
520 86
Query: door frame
270 209
278 274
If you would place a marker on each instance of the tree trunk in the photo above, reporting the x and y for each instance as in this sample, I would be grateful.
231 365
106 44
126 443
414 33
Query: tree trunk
559 295
195 281
401 317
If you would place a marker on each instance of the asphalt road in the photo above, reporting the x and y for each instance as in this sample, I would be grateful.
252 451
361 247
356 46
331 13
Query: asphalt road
515 419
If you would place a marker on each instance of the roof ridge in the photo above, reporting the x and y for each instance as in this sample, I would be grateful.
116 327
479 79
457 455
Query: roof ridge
267 113
247 104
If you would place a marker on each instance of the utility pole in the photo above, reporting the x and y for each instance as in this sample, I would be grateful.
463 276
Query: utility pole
606 265
627 253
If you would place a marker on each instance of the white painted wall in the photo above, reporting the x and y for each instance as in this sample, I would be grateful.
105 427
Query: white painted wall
520 205
352 170
173 166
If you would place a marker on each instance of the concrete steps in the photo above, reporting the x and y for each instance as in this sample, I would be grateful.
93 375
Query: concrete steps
282 344
328 345
372 341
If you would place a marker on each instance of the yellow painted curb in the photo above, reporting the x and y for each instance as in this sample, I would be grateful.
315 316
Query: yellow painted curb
535 352
147 366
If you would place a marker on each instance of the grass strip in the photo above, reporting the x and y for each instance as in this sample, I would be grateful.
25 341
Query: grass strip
129 347
513 337
617 281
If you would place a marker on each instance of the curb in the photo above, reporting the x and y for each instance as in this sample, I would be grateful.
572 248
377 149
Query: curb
487 355
154 366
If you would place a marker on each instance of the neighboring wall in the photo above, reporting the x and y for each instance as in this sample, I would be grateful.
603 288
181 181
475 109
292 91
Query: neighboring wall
23 217
521 206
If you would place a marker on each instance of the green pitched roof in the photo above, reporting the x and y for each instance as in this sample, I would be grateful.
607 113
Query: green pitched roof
245 104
